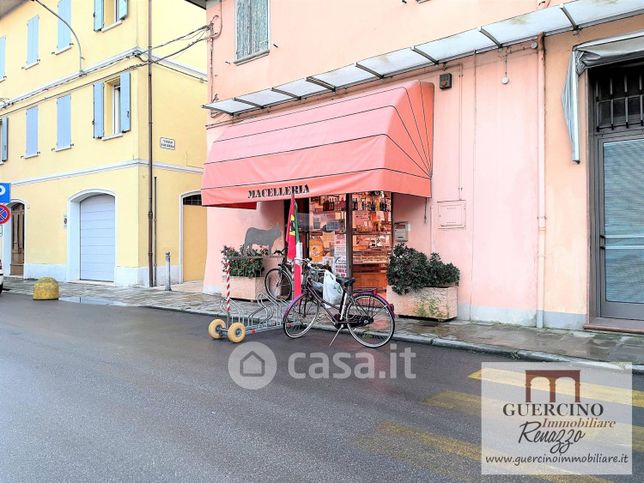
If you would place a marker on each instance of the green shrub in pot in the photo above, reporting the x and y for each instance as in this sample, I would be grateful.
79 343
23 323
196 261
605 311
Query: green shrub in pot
420 286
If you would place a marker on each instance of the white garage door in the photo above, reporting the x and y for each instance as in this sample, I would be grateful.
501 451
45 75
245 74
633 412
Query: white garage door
97 238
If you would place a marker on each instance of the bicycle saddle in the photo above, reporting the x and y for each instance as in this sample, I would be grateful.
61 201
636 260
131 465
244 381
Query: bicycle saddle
344 281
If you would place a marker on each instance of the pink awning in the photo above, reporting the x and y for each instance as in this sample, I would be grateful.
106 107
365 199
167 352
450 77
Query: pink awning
379 140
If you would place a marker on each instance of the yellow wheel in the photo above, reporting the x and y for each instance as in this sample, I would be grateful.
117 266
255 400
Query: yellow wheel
214 325
236 332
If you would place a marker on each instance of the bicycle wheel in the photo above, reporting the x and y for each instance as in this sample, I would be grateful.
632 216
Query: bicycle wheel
278 284
369 320
300 316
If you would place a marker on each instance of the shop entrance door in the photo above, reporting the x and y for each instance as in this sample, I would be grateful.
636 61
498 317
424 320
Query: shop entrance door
621 237
618 121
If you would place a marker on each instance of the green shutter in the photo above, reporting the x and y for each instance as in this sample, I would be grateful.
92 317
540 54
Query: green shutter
243 28
259 26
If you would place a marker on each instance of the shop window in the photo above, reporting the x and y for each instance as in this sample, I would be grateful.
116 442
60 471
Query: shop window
619 97
354 238
252 22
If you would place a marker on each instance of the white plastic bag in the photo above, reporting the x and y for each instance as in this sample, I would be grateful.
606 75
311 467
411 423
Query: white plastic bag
332 291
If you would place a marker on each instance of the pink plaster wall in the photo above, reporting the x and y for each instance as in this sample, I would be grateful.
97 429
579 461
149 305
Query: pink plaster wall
312 36
567 278
227 226
485 150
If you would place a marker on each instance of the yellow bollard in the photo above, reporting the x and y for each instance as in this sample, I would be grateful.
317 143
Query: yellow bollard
46 288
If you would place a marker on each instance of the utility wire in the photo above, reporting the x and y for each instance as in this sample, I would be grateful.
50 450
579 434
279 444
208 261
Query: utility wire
183 49
205 27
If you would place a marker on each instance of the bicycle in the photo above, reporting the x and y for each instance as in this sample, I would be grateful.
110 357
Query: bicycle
278 281
368 317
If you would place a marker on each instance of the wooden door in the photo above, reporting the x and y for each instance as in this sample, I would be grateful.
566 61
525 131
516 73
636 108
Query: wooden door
17 239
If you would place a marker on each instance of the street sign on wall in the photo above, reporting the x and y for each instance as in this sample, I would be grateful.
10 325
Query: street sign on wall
168 143
5 192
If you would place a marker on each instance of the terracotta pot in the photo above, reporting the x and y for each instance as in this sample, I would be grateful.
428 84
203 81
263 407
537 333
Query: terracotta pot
246 288
440 303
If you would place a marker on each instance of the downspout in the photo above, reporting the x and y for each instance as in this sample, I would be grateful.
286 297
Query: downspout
150 148
541 183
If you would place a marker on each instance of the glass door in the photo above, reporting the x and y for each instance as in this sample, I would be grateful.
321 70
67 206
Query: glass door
621 230
328 232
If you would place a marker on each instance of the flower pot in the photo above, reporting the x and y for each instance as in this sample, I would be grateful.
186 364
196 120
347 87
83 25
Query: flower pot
246 288
440 303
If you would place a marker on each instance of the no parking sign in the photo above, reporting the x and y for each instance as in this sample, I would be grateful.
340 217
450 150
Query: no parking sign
5 214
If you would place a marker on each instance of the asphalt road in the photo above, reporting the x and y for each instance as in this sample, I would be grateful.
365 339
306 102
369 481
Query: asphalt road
105 393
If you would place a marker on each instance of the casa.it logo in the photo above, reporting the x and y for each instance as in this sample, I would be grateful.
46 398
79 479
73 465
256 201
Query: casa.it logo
559 424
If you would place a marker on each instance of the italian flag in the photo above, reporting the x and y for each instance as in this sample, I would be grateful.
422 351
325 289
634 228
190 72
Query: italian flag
292 243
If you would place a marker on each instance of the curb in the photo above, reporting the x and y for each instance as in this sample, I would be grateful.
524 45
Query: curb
452 344
475 347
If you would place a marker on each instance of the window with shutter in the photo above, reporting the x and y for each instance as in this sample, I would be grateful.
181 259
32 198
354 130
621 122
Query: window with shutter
252 25
4 138
3 49
64 34
64 122
32 41
32 132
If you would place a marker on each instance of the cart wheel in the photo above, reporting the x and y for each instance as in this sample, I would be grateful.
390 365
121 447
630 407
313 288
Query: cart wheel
236 332
215 327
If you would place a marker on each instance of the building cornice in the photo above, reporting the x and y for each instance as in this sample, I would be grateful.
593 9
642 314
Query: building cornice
133 52
107 167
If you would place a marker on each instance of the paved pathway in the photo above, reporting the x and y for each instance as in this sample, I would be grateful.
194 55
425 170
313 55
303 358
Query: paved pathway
521 342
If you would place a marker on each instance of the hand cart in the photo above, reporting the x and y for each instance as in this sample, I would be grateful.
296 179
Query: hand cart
266 316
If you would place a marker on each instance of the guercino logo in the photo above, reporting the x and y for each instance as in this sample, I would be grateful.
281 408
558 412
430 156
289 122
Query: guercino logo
279 191
555 418
561 434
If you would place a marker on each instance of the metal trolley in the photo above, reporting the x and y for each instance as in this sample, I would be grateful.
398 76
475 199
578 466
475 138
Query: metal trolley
266 316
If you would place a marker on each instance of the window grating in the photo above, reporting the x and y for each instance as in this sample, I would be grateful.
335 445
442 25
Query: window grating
619 97
192 200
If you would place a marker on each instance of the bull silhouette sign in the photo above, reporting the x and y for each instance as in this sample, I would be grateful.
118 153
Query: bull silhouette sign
261 238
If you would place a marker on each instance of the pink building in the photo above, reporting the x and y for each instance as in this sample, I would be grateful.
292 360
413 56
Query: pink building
445 121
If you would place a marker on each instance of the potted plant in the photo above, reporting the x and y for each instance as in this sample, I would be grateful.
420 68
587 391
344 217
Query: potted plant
246 280
422 287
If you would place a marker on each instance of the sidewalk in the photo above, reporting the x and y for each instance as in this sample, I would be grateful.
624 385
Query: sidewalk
517 342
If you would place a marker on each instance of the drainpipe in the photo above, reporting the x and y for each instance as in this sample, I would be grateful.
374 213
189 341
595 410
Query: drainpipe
150 148
541 183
